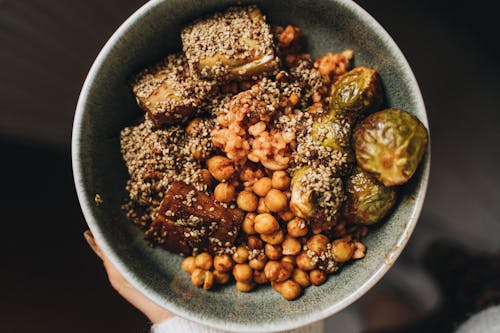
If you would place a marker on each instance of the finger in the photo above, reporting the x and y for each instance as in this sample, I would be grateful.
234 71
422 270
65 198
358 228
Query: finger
92 243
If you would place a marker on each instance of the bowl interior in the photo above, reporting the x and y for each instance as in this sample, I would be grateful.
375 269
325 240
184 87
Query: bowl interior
107 105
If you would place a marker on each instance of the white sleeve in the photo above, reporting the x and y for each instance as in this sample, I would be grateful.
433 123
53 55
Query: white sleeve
178 324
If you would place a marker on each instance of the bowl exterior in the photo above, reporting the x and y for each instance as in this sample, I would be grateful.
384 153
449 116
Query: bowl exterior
106 105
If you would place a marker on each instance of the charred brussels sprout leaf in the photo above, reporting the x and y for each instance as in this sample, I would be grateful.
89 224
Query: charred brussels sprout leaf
390 144
301 199
368 200
356 92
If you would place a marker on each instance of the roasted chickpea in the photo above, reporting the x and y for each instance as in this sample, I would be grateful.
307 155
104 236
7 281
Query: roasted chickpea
289 289
198 277
318 243
220 167
208 282
244 287
286 215
221 278
266 224
259 277
192 126
280 180
262 186
342 250
242 273
188 264
223 263
275 238
262 208
304 262
247 201
206 177
203 261
297 227
289 260
276 201
258 263
301 277
224 192
359 251
254 243
272 269
317 277
291 246
241 254
273 252
248 224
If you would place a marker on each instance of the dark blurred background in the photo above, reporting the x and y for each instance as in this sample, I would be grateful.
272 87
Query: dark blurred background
51 282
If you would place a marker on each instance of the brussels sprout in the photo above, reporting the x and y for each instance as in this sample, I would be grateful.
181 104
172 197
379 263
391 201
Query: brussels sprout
390 144
301 199
368 200
356 92
332 131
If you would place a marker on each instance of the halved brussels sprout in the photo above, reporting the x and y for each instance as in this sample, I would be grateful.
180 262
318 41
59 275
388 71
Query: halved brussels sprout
390 144
332 131
356 92
368 200
301 198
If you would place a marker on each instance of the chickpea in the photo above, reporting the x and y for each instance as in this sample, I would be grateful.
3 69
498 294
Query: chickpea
254 243
262 186
208 282
342 250
276 201
220 167
244 287
191 127
241 254
280 180
291 246
207 178
221 278
359 251
318 243
317 277
257 263
266 224
289 261
247 201
203 261
259 277
243 273
301 277
297 227
272 269
286 215
188 264
273 252
198 277
274 238
262 208
248 224
304 262
224 192
223 263
289 289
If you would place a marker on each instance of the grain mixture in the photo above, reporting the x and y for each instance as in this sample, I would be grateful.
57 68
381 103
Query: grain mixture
229 168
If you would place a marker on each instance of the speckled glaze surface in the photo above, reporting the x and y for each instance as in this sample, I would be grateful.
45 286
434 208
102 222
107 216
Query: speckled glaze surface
106 105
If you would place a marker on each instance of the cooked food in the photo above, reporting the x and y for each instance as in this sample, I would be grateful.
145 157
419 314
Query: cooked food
390 144
357 92
235 44
170 92
243 162
368 200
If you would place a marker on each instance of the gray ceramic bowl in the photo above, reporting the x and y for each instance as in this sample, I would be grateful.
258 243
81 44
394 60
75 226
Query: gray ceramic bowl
106 105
